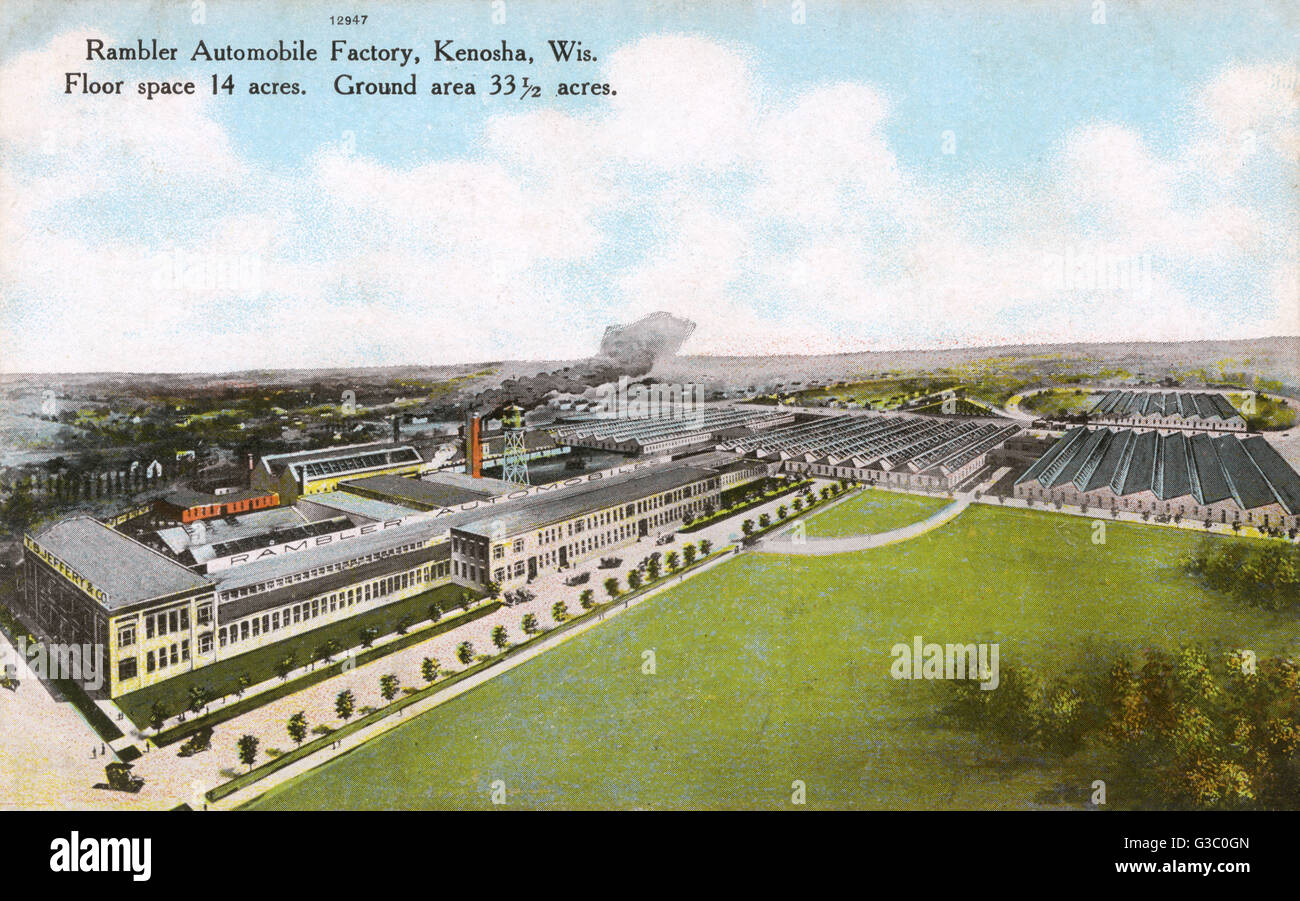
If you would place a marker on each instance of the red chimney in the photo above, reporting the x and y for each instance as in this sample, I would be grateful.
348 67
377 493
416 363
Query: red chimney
473 446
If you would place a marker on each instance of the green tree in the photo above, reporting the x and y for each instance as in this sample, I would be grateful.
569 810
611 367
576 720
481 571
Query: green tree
633 579
247 746
782 512
688 554
559 611
345 703
587 599
747 526
611 587
528 624
429 669
493 590
706 547
673 562
157 715
465 652
764 521
388 686
653 565
198 698
297 727
499 637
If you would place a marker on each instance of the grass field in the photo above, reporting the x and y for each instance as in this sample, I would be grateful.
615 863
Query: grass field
872 512
772 669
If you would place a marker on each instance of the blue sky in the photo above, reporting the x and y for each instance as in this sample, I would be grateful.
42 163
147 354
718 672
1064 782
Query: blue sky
786 185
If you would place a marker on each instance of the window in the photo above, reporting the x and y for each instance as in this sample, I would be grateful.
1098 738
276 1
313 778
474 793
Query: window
185 649
148 662
205 643
126 636
204 614
126 669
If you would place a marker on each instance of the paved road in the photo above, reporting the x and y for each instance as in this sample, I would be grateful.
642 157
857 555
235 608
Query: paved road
779 543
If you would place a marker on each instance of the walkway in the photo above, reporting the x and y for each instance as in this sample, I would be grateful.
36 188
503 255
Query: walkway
779 543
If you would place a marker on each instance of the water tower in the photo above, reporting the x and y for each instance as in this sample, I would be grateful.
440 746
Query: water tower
514 464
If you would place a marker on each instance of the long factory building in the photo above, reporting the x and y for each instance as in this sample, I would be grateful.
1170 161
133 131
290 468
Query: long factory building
196 593
915 452
1194 411
1214 478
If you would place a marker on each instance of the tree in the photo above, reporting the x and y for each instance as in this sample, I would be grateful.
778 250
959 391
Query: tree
633 579
344 704
797 504
435 613
559 611
247 746
708 509
782 512
285 666
587 599
747 526
465 652
611 587
764 521
368 636
688 554
706 547
157 715
653 564
493 590
297 727
242 683
528 624
388 687
499 636
673 562
198 698
429 669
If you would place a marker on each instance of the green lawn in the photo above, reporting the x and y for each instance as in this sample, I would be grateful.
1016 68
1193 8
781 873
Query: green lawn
872 512
772 669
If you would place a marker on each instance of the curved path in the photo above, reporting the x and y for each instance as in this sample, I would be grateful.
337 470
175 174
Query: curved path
780 543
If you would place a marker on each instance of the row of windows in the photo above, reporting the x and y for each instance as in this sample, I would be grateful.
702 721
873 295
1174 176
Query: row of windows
178 654
316 607
319 571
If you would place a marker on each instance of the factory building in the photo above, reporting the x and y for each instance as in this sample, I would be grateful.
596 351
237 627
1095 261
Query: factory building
185 506
547 531
1214 478
1167 410
209 590
913 452
299 473
697 427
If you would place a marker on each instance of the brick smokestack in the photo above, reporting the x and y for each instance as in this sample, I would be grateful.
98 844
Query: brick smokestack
473 446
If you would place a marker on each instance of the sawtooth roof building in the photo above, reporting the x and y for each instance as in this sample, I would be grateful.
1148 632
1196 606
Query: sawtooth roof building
1218 478
1198 411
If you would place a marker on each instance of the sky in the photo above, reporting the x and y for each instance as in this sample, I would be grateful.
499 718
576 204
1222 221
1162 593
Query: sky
806 177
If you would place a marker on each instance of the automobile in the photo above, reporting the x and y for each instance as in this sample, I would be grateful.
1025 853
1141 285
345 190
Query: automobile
665 539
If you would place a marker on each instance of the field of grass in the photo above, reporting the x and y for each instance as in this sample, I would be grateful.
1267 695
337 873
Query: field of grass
772 669
1059 402
872 512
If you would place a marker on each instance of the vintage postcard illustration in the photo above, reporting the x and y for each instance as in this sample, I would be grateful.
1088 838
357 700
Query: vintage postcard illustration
574 406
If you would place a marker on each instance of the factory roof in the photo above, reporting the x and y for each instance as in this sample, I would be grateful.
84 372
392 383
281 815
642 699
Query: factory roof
1208 468
542 509
435 492
125 570
356 506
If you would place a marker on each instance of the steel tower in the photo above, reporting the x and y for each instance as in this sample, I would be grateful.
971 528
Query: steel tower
514 465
